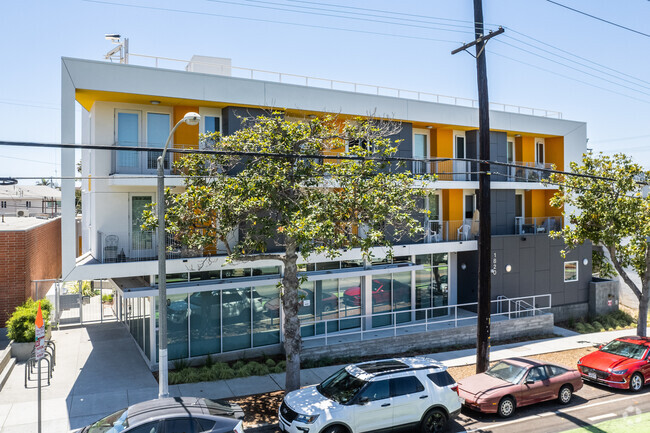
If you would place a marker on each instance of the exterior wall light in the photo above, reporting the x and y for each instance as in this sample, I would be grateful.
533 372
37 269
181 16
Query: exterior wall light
585 262
463 266
508 268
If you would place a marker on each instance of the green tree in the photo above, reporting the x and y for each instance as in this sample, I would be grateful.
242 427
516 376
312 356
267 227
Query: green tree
287 199
612 211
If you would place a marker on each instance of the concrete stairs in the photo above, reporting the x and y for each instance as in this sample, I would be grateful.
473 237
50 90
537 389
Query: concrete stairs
6 364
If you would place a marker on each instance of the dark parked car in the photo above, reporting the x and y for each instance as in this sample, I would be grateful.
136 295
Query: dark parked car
518 382
172 415
380 293
622 363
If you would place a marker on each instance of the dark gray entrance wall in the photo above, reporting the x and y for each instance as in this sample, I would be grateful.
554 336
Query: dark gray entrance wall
233 117
498 150
502 211
537 268
404 147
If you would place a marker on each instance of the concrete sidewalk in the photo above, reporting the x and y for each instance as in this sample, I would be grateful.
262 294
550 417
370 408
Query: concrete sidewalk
92 379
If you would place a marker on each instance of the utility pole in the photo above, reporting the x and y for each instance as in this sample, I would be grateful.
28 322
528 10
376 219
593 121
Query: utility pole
484 238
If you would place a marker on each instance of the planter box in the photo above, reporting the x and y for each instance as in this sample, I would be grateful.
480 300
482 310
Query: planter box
22 351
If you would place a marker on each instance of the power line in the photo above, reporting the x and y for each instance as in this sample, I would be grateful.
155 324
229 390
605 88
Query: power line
268 21
286 155
599 19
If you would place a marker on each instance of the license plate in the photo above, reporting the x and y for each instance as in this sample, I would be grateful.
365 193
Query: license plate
592 375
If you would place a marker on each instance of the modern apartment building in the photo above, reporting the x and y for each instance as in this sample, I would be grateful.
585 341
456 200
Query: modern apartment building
431 282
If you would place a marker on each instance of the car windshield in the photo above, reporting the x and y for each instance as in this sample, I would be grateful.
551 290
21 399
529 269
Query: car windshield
341 386
114 423
624 348
505 371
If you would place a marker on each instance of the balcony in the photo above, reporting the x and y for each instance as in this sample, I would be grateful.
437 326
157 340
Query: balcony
139 163
450 231
119 247
460 170
535 226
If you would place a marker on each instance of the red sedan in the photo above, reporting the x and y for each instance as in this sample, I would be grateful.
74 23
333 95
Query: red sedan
622 363
516 382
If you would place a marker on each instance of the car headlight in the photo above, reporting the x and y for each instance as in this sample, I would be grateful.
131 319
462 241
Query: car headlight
618 371
307 419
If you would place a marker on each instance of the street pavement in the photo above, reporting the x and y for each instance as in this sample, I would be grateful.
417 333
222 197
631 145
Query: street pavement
92 379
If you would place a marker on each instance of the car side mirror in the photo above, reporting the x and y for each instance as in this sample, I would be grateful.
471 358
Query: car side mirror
364 400
600 347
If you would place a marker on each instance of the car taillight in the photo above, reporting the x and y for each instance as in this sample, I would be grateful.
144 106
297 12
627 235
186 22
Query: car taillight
239 428
454 388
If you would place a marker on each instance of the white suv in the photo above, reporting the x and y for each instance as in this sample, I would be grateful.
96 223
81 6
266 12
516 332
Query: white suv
410 394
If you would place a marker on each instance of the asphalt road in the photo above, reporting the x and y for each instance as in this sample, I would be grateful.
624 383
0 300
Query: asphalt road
591 405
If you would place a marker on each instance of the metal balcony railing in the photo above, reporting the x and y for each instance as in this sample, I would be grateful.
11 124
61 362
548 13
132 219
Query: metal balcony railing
540 225
459 170
116 247
451 231
325 83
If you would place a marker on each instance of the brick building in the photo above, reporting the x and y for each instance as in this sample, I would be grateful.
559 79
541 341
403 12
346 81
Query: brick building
30 249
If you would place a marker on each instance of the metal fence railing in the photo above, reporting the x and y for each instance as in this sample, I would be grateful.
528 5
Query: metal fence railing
372 326
325 83
540 225
137 246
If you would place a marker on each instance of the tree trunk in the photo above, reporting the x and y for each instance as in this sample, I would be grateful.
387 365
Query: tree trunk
290 304
642 322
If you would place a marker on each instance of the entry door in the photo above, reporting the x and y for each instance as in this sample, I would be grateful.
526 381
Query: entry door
461 168
420 148
142 243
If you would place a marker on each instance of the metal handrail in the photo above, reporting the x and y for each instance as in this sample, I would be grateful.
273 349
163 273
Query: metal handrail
377 90
429 319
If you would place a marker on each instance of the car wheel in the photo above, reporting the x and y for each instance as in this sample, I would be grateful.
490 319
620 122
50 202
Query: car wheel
506 407
434 421
333 429
636 382
565 394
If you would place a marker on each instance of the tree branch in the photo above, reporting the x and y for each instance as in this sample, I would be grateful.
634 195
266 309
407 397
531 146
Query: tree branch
621 271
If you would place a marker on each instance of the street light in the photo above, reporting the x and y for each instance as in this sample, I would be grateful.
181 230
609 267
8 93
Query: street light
163 390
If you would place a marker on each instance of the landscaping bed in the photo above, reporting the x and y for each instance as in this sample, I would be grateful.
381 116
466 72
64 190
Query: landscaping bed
608 322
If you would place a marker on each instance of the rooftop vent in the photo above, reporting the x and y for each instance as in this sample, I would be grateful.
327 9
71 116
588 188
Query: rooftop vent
210 65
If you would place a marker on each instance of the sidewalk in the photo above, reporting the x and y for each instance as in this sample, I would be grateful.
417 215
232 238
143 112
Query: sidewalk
91 379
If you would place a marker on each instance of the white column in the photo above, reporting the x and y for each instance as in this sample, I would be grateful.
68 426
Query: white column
68 241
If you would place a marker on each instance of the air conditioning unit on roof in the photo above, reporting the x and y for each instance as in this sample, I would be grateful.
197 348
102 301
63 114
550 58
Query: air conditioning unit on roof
22 213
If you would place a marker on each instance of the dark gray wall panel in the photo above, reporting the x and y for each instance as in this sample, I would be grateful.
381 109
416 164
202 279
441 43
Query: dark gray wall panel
233 117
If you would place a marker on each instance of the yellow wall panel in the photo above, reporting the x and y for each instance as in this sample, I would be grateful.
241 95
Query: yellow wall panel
527 149
442 143
550 210
555 151
186 136
452 204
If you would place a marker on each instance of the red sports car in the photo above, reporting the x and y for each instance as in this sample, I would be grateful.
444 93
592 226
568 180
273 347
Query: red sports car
517 382
622 363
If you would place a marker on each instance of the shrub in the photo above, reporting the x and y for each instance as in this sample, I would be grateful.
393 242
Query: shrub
20 326
580 327
224 373
107 298
589 329
282 365
209 361
85 288
237 365
270 363
180 364
597 326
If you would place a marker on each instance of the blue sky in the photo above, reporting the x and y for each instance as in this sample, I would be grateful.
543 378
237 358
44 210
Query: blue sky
600 76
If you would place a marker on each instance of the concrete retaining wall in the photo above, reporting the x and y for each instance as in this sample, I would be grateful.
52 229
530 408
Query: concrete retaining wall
563 313
603 296
503 330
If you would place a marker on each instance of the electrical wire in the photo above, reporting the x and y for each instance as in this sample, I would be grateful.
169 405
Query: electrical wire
270 21
599 19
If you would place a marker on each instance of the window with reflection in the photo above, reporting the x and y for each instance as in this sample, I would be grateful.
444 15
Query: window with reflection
353 301
205 323
236 314
327 304
431 286
306 309
381 300
402 296
266 315
177 316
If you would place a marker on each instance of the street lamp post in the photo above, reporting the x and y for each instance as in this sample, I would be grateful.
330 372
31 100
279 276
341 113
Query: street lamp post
163 390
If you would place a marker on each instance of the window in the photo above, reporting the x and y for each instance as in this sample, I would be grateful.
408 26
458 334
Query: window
3 204
150 427
405 385
181 425
441 378
28 204
459 148
469 206
510 150
128 135
519 205
420 151
211 124
378 390
539 151
554 370
537 373
570 271
157 132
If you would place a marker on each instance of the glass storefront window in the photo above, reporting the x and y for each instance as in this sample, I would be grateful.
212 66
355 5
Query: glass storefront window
208 275
267 270
432 285
266 316
327 266
236 313
235 273
351 264
177 316
402 295
352 295
306 309
381 300
327 304
205 323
